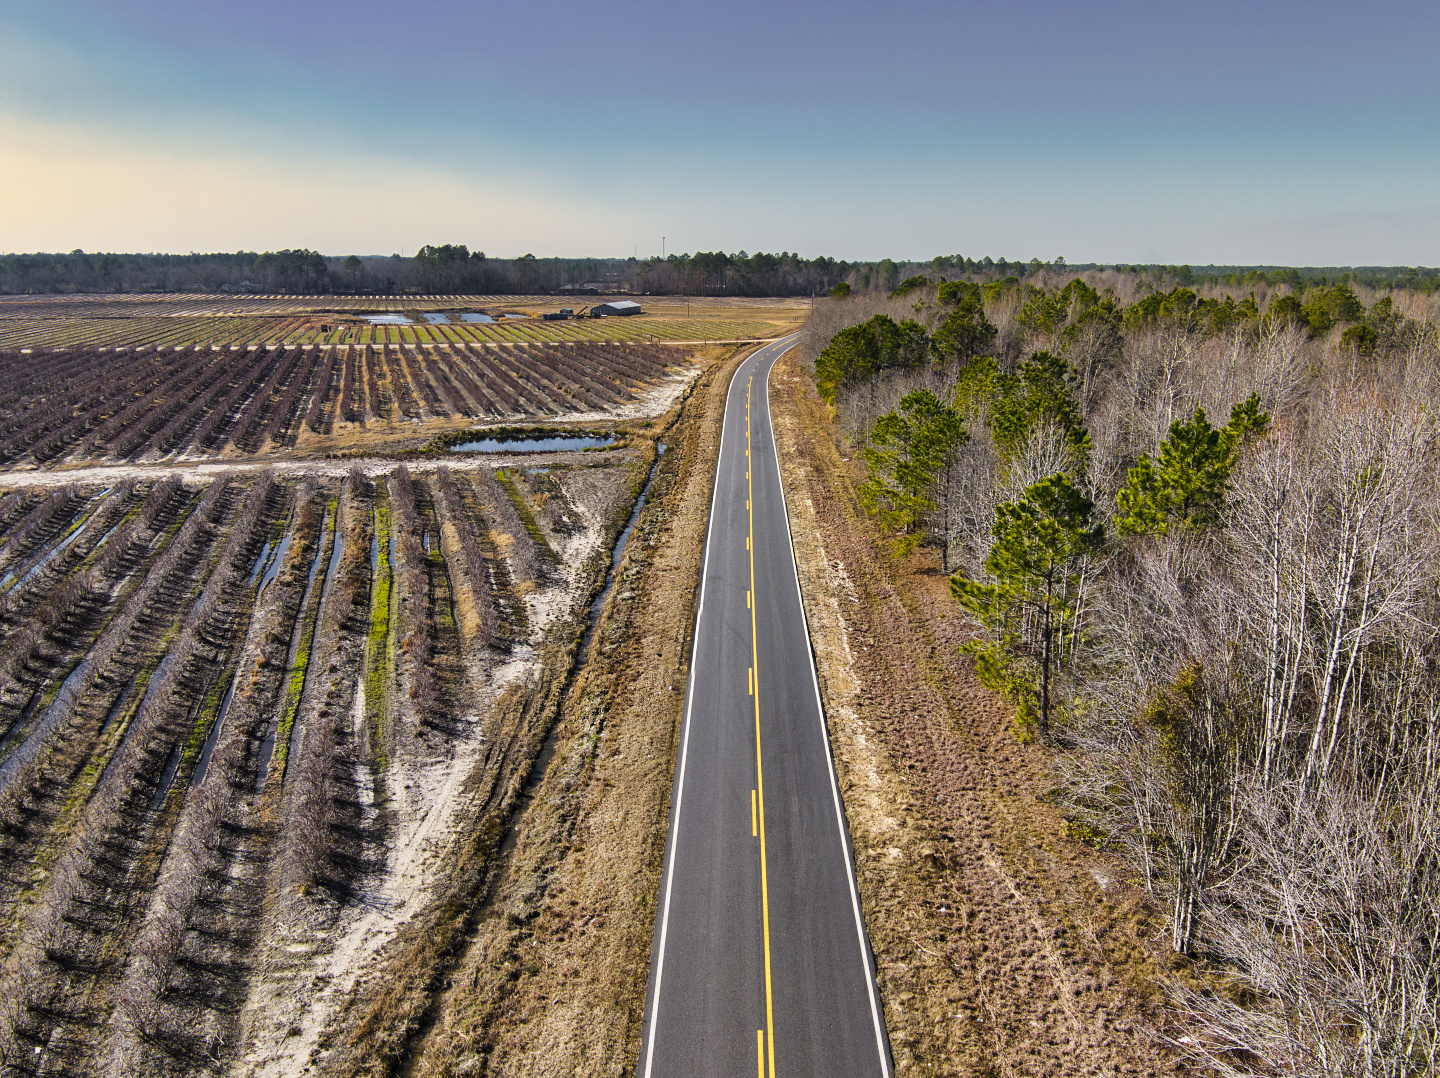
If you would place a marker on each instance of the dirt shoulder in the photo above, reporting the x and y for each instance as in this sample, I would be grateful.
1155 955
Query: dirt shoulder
1003 947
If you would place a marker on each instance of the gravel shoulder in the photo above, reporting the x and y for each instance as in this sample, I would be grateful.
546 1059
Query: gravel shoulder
1003 947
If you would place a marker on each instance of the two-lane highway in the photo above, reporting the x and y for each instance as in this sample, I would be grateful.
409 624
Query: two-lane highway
760 965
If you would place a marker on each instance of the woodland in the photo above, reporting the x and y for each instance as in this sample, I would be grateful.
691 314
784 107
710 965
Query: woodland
1195 528
452 268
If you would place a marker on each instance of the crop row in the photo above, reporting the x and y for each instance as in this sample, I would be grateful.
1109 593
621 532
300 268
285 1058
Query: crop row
95 305
165 331
156 404
176 741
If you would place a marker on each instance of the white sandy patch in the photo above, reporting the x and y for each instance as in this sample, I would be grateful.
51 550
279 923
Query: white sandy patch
321 969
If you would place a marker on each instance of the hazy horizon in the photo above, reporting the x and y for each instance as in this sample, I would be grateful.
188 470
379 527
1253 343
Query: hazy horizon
1128 132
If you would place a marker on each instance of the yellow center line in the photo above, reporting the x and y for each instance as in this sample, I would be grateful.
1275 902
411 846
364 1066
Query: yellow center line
753 829
760 1053
759 770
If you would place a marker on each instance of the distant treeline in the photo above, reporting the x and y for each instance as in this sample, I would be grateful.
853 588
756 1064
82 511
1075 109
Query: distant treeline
453 268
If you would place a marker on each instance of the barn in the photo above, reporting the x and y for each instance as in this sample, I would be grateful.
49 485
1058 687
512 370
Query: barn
618 306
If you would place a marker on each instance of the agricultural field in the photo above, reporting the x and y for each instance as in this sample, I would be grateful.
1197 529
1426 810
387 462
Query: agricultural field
87 406
270 653
222 705
130 322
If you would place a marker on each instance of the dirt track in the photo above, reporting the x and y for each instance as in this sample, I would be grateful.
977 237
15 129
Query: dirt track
1003 947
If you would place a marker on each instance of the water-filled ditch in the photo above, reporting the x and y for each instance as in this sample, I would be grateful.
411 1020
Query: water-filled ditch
556 444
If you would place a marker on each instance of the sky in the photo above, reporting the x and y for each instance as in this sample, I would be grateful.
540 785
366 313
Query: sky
1264 132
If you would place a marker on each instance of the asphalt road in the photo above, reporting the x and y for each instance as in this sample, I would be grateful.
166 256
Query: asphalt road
760 964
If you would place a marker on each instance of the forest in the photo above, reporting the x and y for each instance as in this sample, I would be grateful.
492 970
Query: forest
1195 530
455 269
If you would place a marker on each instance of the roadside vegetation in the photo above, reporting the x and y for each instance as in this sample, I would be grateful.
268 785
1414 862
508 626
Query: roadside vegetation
1194 528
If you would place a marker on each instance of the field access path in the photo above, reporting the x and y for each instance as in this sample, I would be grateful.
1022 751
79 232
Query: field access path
760 965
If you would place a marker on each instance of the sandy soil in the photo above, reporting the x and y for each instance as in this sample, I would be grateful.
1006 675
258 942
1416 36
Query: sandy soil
1003 947
307 975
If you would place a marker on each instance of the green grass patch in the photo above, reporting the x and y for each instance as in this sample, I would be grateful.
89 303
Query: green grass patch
309 618
379 650
527 518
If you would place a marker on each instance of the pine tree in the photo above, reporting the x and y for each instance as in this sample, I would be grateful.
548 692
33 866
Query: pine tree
1040 391
908 450
1042 545
1186 487
858 353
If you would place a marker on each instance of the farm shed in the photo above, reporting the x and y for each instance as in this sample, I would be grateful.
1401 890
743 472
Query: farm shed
618 306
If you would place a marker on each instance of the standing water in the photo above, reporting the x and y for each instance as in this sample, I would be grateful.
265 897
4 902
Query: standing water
267 743
274 568
547 750
209 748
616 555
261 560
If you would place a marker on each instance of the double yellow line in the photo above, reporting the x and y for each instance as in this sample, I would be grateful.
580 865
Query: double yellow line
763 1038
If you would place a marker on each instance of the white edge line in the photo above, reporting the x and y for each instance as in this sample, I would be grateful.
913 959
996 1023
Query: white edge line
674 836
845 846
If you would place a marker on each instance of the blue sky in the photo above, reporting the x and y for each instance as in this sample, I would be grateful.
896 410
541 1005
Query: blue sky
1105 131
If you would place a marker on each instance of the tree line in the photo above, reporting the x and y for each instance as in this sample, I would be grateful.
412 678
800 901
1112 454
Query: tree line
455 268
1195 531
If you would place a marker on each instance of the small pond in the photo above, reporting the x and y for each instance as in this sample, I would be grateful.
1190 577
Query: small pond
437 318
532 445
389 318
475 316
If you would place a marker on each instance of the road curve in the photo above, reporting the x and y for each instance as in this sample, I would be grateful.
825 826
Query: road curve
759 965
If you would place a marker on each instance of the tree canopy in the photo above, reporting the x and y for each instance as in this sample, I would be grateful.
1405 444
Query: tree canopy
1042 543
1186 487
907 452
861 352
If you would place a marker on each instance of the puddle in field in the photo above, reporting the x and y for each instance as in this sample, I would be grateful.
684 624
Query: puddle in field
118 706
597 606
260 561
74 684
273 570
437 318
267 743
167 779
50 555
209 748
156 678
336 554
532 445
475 316
56 551
389 318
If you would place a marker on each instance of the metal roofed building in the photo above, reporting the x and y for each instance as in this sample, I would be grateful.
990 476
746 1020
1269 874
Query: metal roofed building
618 306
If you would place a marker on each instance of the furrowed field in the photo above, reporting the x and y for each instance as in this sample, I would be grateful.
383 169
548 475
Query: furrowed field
268 652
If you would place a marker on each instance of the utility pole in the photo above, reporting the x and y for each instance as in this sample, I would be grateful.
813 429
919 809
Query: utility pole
662 248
